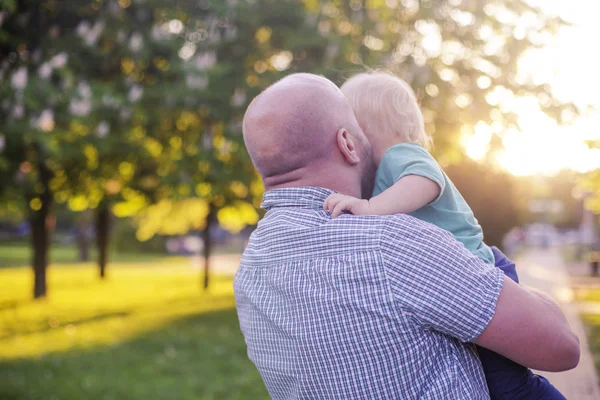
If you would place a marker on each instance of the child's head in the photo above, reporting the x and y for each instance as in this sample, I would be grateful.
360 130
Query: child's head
386 109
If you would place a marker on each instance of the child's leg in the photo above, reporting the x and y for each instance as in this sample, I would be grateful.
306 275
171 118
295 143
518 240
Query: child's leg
507 266
508 380
505 378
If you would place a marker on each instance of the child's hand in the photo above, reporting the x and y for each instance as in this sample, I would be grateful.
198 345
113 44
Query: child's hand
336 203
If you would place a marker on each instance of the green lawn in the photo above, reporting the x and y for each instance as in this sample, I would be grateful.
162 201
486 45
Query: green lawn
592 321
593 324
17 254
146 333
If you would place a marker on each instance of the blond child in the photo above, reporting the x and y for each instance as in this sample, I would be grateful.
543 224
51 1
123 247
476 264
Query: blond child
410 181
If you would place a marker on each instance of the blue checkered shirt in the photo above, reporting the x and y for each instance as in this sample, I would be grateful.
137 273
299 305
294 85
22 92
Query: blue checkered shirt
361 307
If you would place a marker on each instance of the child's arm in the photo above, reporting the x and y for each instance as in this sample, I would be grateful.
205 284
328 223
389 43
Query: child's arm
408 194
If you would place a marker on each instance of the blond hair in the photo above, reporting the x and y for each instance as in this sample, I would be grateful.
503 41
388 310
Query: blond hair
386 105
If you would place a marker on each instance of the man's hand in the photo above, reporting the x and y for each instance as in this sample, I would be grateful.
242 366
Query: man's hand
337 202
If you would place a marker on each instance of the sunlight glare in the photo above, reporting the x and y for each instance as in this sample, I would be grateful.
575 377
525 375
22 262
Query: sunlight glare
567 63
477 143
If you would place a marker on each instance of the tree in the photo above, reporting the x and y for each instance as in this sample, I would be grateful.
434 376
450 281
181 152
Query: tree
461 58
490 193
32 104
225 45
559 193
457 57
148 110
590 183
73 127
128 72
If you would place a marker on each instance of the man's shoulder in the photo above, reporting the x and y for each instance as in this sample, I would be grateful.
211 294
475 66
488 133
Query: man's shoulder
284 237
391 232
381 222
400 225
405 237
397 225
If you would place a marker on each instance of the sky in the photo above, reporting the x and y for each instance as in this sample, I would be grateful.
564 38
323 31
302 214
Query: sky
571 64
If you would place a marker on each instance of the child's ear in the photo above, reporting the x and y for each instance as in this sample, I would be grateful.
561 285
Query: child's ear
347 146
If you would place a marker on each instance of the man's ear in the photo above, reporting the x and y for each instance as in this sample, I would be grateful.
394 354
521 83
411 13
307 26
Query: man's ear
347 146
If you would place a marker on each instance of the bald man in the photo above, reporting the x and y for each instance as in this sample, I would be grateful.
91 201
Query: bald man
367 307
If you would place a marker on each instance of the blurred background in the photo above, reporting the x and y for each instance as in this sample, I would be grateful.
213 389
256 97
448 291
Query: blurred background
126 194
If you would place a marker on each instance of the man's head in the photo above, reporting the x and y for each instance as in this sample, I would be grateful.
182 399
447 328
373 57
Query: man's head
301 131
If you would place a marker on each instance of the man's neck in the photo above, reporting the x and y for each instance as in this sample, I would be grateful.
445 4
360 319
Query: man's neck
337 181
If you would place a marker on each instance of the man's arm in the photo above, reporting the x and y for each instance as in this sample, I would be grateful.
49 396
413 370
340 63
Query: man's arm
529 328
447 289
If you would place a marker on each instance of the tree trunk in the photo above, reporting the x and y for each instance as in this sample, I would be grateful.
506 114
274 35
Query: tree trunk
206 238
40 222
102 234
40 240
594 266
83 237
41 225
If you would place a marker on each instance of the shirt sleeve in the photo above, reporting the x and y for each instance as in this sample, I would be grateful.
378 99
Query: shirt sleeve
436 280
410 159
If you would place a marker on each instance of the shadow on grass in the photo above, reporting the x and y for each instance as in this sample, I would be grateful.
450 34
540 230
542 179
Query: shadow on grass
12 304
198 357
17 329
75 322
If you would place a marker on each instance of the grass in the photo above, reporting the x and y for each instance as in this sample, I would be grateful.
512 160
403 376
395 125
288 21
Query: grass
146 333
591 320
584 294
17 254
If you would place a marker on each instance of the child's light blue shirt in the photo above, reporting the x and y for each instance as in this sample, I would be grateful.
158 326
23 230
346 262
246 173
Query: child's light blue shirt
449 210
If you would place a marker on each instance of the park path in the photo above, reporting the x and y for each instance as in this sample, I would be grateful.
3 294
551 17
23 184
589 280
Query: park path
220 264
544 269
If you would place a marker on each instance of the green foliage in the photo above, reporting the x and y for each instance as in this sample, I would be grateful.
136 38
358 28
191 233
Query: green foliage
558 189
490 195
146 333
142 102
125 240
76 89
590 183
591 186
7 5
460 57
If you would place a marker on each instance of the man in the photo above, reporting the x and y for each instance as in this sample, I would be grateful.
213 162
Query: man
367 307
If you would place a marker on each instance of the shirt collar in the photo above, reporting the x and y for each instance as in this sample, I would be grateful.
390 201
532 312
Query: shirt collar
310 197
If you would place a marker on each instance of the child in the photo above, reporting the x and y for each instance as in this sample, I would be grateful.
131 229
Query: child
410 181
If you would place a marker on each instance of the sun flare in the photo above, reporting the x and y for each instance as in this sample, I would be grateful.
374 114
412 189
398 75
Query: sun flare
567 63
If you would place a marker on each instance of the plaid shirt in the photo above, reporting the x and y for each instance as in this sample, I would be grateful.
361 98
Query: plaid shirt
361 307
